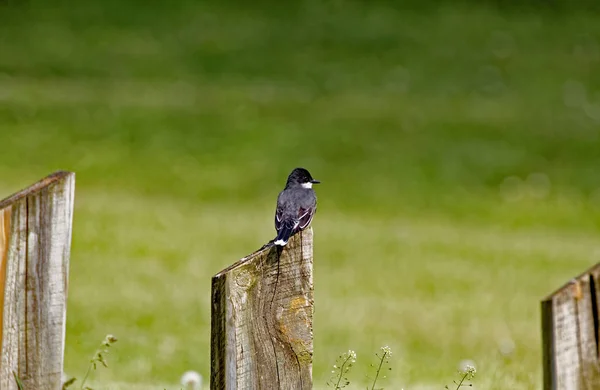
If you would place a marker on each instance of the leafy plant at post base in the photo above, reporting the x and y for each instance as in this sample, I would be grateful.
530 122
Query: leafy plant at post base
466 374
99 357
21 387
340 370
19 383
386 353
68 383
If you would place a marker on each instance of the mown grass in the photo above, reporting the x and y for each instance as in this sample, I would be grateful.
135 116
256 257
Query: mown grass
457 145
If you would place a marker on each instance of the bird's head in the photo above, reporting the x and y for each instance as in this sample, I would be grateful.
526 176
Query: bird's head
300 177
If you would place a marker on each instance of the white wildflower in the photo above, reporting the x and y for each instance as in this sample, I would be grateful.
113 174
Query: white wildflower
191 380
467 367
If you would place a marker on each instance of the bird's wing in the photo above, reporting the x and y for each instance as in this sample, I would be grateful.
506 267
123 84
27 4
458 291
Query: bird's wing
305 215
278 218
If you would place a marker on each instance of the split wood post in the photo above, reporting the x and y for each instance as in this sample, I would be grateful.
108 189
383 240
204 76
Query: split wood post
262 316
570 332
35 243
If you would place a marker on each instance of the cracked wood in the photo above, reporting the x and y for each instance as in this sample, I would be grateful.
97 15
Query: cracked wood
35 242
262 316
570 334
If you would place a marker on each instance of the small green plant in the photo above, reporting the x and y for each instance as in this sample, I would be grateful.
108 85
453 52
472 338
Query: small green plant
465 374
68 383
19 383
382 356
99 357
344 362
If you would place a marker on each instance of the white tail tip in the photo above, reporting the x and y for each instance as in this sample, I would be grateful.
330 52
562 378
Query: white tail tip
280 242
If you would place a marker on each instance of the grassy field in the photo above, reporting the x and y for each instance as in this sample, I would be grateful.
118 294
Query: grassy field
458 149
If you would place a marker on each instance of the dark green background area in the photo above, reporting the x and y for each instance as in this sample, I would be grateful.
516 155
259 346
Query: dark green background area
369 96
448 115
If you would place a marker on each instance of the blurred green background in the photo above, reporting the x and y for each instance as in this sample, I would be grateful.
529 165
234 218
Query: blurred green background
457 143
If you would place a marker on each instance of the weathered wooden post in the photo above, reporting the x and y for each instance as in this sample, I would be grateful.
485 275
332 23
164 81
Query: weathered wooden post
35 243
570 332
262 316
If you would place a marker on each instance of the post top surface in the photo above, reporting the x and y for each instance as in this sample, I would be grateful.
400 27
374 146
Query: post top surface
595 269
265 250
45 182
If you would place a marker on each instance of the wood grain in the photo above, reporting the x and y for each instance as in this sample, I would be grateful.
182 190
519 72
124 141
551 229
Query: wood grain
35 242
570 334
262 316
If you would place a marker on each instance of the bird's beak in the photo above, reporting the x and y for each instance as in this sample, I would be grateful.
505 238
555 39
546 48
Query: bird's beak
315 181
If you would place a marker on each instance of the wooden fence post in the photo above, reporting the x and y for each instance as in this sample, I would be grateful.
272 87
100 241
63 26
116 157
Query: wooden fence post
570 332
35 243
262 316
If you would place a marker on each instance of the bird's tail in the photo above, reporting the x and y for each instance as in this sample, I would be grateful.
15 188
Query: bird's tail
286 231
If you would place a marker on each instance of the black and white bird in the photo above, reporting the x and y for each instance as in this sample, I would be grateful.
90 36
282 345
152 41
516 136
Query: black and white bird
296 205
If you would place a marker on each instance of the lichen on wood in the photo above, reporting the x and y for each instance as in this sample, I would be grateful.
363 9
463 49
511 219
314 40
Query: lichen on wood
35 243
262 315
